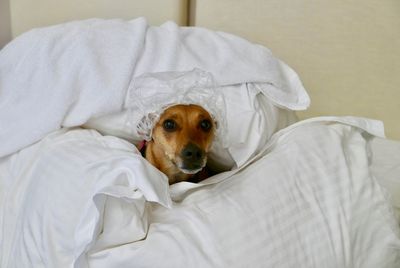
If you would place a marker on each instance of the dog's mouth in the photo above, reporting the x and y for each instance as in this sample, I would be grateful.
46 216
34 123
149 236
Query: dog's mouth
190 171
189 167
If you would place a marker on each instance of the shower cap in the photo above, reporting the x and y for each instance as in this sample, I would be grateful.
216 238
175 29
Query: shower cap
152 93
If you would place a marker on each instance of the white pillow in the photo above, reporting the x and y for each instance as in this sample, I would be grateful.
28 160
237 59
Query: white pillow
251 119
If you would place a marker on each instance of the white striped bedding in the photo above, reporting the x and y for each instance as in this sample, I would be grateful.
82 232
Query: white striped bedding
79 199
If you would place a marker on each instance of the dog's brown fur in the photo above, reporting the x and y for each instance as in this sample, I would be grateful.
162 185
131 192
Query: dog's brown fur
180 142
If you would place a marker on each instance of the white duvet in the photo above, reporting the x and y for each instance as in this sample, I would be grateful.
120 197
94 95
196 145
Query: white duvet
79 199
70 197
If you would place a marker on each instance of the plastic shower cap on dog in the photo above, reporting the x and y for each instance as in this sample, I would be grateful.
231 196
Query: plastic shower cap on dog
152 93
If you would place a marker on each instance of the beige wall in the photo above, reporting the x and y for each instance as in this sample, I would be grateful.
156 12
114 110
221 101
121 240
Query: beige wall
5 26
27 14
346 52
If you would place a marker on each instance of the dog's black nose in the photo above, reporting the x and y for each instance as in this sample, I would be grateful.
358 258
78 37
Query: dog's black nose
192 152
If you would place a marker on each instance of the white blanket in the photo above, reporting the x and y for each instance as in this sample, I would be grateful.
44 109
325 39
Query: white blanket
74 198
64 75
54 194
78 199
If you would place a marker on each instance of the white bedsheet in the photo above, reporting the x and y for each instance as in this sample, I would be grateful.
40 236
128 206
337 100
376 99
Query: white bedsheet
386 167
308 200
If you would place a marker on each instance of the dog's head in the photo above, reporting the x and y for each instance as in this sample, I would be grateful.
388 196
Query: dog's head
184 133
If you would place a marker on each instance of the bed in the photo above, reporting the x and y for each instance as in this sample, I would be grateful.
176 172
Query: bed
306 175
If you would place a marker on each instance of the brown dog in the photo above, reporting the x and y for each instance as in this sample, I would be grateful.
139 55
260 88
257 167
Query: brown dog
180 142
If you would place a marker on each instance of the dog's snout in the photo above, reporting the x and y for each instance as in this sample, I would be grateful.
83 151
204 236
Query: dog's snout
192 152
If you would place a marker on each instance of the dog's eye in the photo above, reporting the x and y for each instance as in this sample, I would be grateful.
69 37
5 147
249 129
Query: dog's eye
169 125
205 125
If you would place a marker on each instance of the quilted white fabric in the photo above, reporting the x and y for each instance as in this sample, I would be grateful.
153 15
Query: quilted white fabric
307 200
